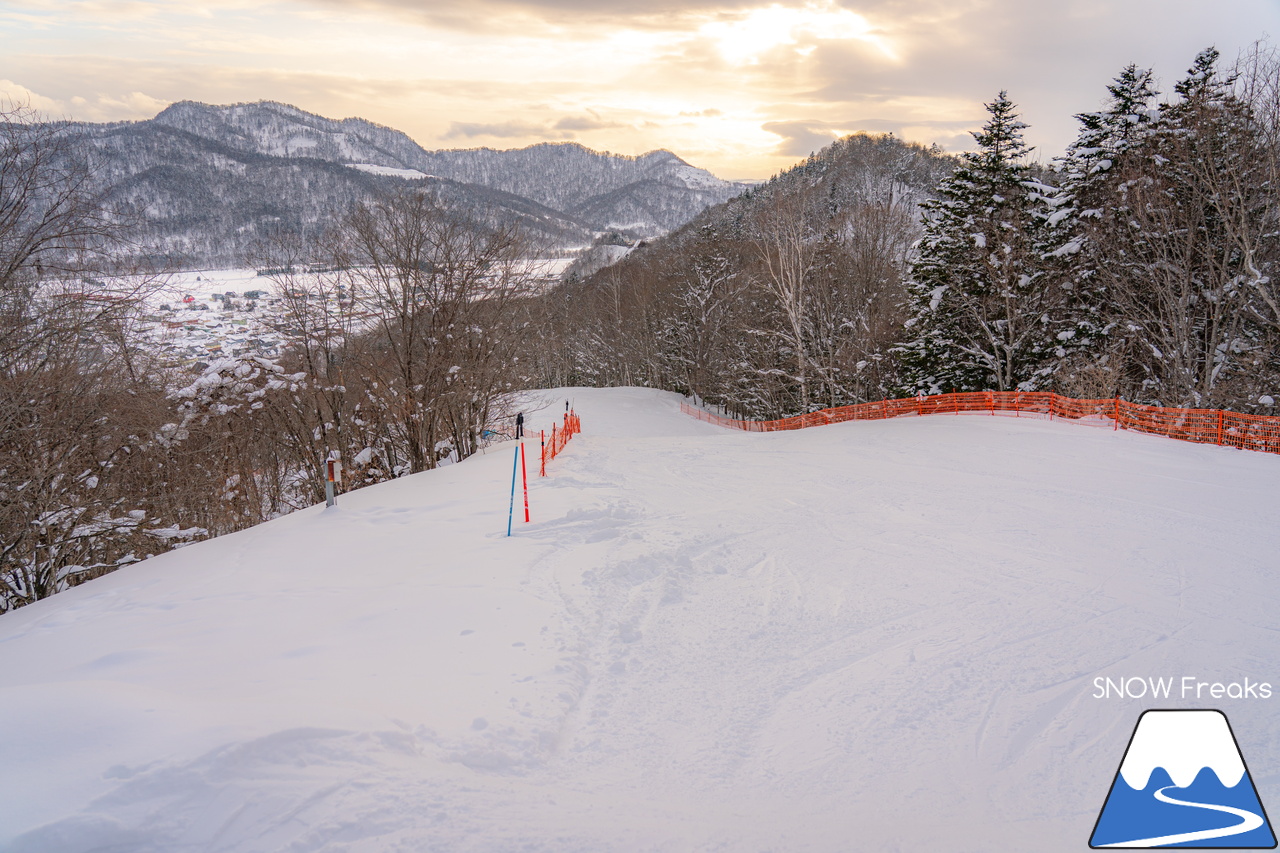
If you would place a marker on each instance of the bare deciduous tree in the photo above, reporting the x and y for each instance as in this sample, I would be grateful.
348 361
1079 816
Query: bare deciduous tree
77 401
439 286
786 249
1187 259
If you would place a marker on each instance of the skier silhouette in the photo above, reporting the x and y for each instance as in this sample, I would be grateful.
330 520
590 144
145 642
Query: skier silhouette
519 424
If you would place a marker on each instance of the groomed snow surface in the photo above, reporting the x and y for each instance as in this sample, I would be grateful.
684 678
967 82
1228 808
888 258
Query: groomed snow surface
865 636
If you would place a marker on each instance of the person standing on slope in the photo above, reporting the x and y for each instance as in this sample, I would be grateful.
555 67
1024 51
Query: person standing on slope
519 424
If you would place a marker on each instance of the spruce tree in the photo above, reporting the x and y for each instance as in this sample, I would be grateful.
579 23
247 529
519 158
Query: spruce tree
980 317
1087 203
1084 229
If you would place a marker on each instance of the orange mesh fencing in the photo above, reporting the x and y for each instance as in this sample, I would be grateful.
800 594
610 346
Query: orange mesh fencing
559 438
1204 426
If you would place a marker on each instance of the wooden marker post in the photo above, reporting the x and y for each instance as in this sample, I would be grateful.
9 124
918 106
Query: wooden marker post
333 475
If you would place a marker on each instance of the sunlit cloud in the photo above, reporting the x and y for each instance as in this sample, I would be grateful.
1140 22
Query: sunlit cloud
743 87
101 9
88 107
15 95
585 122
503 130
800 138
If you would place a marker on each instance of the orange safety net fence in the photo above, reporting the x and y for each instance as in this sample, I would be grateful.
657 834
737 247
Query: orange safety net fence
559 438
1205 426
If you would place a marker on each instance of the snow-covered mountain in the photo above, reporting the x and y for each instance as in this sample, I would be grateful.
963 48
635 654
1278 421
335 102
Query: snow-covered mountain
210 181
563 175
647 195
204 203
281 130
865 636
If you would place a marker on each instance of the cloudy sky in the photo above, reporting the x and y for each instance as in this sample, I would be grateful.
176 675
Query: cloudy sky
742 87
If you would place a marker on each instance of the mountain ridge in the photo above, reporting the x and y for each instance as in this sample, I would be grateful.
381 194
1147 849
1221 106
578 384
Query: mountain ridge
195 158
522 171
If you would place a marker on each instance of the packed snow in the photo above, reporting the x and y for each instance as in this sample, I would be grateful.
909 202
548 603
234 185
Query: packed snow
864 636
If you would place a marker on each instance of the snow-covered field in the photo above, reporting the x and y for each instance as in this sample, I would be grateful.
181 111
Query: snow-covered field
865 636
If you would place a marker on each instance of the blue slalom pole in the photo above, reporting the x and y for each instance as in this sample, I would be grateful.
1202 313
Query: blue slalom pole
515 464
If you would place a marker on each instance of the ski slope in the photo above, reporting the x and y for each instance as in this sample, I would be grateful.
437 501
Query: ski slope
865 636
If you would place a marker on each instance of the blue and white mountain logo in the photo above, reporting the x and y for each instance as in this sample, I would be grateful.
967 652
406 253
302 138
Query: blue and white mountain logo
1183 783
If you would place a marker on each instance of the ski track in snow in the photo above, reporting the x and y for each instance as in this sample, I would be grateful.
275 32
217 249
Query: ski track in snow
865 636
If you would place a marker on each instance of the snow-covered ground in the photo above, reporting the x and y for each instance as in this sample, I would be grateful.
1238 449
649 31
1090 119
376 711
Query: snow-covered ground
200 315
865 636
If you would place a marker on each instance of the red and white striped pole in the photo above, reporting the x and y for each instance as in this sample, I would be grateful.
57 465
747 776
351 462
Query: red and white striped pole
524 479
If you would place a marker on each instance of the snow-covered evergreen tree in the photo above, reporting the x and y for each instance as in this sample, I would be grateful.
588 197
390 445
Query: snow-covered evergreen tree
1087 209
980 315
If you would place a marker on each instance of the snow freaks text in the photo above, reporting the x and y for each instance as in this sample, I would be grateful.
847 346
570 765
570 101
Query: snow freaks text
1186 687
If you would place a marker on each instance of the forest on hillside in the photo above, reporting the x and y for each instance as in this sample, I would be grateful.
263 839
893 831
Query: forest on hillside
1141 264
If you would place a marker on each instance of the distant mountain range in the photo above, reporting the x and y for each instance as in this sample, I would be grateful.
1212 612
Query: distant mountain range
211 184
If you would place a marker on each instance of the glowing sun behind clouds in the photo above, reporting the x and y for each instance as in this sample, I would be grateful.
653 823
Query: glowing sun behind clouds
746 39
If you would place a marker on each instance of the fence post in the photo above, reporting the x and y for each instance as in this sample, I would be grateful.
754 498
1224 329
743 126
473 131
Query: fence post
542 444
1219 427
1116 412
